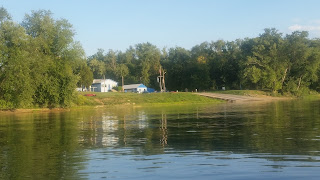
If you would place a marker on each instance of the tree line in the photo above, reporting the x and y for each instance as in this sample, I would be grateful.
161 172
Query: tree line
286 64
41 64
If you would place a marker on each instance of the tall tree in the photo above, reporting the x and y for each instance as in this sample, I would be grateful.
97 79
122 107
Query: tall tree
4 15
111 63
16 84
51 41
298 54
265 67
177 65
199 73
85 75
148 57
122 71
97 67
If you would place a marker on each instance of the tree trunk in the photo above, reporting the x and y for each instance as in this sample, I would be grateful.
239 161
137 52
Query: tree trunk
284 77
122 83
274 87
299 83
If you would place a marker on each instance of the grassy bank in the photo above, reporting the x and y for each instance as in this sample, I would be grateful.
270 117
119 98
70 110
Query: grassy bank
141 99
123 99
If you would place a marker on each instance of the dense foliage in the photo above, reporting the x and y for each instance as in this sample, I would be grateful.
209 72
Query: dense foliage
40 63
139 65
281 64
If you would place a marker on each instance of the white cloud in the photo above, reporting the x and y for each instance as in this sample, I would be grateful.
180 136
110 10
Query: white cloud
298 27
312 26
295 27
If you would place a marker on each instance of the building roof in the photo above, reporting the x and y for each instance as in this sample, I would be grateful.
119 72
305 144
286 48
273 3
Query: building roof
134 86
99 81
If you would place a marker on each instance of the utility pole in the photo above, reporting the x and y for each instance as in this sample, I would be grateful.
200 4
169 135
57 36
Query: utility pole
163 81
160 80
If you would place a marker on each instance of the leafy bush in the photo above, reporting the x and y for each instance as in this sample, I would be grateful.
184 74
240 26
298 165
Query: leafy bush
4 105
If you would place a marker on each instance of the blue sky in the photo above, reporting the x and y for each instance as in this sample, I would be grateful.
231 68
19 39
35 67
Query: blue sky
117 24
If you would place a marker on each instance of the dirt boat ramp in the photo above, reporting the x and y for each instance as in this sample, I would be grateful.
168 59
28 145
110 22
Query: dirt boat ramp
236 98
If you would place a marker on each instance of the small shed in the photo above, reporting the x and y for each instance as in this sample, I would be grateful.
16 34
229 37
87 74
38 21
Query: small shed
138 88
103 85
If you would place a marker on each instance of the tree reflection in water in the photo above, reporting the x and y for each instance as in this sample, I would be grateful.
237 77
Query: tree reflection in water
60 144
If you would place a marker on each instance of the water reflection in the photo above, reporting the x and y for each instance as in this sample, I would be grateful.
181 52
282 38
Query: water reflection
34 146
191 141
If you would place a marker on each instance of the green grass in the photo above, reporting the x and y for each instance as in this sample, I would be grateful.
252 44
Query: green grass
311 97
117 98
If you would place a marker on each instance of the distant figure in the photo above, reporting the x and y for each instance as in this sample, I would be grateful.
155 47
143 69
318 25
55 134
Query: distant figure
196 90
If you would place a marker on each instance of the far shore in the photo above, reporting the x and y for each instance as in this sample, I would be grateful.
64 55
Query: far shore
120 100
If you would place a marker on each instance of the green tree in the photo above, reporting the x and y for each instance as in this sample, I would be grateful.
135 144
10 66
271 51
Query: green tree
111 62
315 84
270 61
4 15
302 61
38 61
177 68
86 76
51 44
97 67
122 71
148 59
266 59
145 75
16 84
198 70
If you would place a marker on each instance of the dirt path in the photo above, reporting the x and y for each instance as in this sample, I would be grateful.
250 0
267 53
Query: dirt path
238 98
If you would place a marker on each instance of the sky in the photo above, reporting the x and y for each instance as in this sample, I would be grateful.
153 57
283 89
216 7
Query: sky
118 24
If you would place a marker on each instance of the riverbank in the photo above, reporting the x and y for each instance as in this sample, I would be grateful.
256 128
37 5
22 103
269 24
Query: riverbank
145 99
117 99
169 98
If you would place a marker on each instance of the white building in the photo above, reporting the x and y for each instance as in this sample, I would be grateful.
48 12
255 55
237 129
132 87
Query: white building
103 85
139 88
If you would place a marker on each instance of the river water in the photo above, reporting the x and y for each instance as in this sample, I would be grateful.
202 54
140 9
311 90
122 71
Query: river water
271 140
